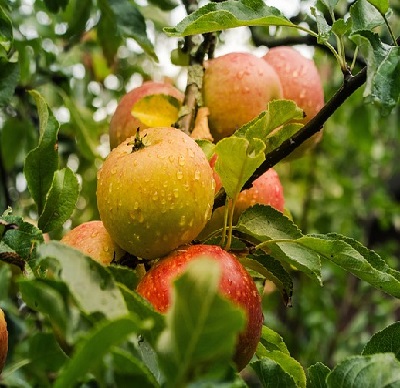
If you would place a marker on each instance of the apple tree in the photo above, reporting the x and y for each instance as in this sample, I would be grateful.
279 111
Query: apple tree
260 135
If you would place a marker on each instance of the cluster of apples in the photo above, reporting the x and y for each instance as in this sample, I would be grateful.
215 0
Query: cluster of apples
156 188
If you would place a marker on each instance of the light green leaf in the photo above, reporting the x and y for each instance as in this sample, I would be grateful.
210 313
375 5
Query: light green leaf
271 340
365 16
330 4
196 322
381 5
290 366
42 162
97 343
234 172
89 282
353 257
229 14
386 340
317 374
6 33
271 374
324 30
9 77
376 371
60 201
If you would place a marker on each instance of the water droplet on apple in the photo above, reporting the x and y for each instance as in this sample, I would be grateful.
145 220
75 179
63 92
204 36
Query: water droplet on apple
182 221
197 175
176 193
240 74
179 174
155 196
181 160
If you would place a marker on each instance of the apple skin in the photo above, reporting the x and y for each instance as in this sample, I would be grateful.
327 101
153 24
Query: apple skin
236 88
92 239
301 83
158 197
235 284
123 124
3 340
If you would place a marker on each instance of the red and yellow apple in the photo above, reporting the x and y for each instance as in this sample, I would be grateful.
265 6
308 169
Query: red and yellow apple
301 83
155 192
235 284
236 88
3 340
123 124
93 239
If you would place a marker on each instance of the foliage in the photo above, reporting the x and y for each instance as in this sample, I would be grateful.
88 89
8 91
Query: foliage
63 67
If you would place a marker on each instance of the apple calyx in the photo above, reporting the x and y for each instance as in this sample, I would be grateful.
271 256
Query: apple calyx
137 142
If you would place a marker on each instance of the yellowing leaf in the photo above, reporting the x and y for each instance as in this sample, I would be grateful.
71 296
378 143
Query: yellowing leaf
157 110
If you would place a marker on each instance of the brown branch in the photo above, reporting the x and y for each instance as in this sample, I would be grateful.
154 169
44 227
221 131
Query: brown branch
349 86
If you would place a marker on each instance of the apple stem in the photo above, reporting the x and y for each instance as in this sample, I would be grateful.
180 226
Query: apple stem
137 142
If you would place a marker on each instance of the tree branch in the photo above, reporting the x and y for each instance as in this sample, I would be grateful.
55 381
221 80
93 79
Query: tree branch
349 86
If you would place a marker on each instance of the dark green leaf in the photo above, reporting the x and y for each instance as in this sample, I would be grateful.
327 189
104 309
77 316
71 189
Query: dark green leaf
42 162
78 13
317 374
381 5
166 5
350 255
9 77
376 371
194 323
365 16
97 343
124 275
271 374
385 341
330 4
89 282
6 32
60 201
229 14
55 5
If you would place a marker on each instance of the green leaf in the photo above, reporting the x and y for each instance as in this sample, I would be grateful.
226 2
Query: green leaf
6 33
165 115
386 340
48 297
272 269
353 257
271 374
229 14
330 4
234 172
196 322
42 162
317 374
378 370
381 5
55 6
89 282
77 14
45 352
271 340
286 362
60 201
127 21
129 368
324 30
165 5
124 275
97 343
365 16
9 77
266 225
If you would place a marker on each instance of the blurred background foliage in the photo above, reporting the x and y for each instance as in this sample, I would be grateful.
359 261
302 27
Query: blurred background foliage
350 184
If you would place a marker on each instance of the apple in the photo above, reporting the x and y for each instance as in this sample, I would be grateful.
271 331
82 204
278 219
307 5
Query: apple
3 340
93 239
123 124
235 284
155 192
236 88
301 83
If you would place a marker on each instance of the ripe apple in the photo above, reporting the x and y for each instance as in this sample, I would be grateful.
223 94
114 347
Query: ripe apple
155 192
301 83
236 88
93 239
123 124
3 340
235 284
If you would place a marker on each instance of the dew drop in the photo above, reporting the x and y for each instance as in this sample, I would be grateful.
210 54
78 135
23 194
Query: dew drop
113 171
240 74
179 174
176 193
197 175
155 196
94 234
106 249
182 221
181 160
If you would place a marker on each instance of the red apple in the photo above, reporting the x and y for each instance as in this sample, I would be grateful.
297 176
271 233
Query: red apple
155 192
93 239
235 284
123 124
300 82
3 340
236 88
